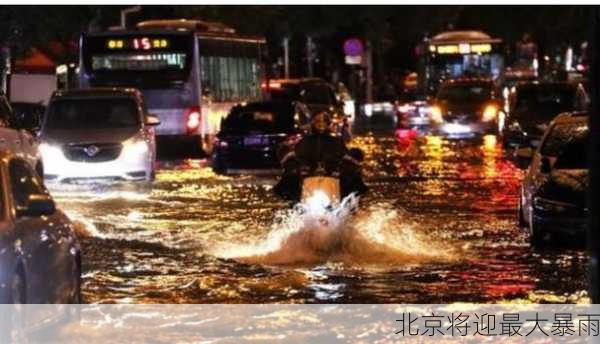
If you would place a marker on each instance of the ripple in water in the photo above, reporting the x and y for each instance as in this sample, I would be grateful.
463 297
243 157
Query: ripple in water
312 233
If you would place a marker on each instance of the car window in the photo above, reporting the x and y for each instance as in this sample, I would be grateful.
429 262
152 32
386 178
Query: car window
259 121
318 94
465 93
284 93
93 113
574 155
23 182
545 102
560 135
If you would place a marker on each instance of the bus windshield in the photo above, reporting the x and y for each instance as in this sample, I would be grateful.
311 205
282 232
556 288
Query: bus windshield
465 93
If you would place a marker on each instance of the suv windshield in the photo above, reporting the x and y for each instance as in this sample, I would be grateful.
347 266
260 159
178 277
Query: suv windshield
545 102
465 93
93 113
258 121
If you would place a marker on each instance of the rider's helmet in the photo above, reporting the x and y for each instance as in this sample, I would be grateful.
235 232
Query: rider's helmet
321 122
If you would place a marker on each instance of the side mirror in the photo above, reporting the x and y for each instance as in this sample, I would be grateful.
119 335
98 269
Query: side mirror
545 168
152 120
523 157
37 205
28 120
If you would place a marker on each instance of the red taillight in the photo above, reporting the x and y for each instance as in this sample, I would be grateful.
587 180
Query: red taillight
271 85
293 139
192 119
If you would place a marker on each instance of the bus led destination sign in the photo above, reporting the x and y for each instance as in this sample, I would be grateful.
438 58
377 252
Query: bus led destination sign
462 48
137 43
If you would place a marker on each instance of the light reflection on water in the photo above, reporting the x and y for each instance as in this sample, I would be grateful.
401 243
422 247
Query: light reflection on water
438 225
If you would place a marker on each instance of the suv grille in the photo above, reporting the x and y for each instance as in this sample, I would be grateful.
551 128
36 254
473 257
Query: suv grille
93 152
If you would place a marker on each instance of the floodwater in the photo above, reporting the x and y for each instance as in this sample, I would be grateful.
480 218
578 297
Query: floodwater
438 225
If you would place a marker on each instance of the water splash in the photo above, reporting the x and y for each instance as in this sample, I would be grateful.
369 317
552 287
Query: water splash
316 231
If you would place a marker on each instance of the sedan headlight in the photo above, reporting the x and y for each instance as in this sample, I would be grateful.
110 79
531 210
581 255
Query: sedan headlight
490 113
436 114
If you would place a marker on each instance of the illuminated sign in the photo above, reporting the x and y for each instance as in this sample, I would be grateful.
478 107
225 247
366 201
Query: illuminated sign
481 48
462 48
138 43
447 49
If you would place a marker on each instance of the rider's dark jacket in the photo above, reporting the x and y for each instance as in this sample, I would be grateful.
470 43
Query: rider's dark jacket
319 153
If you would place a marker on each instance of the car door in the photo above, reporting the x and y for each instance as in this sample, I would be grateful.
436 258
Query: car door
46 242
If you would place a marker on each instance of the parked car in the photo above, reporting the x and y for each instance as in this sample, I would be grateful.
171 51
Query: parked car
39 252
102 134
466 108
533 105
317 94
17 136
553 192
252 134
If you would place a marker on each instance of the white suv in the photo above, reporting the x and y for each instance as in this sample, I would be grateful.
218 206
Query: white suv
101 134
16 139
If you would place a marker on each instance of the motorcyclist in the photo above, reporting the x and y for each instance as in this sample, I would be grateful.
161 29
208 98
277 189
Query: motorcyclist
320 153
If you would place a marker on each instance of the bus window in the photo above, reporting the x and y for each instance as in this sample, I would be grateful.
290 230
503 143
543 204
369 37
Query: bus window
229 69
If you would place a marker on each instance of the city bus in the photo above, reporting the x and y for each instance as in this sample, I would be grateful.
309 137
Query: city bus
190 72
453 54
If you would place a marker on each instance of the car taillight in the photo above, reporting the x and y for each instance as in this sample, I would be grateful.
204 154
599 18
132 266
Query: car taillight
192 119
293 139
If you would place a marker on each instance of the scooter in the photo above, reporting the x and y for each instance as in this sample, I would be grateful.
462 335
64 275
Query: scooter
305 183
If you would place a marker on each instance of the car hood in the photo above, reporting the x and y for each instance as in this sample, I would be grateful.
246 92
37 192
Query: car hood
567 186
60 136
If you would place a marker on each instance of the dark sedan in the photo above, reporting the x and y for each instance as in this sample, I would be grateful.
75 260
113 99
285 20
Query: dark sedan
554 189
533 105
252 134
39 252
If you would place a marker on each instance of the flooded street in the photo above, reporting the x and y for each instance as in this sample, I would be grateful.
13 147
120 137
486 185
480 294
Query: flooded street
438 225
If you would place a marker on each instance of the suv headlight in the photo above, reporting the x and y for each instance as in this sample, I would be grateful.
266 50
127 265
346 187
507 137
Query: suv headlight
134 148
50 152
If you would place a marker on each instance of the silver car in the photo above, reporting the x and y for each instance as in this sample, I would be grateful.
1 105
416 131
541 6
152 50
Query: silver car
40 260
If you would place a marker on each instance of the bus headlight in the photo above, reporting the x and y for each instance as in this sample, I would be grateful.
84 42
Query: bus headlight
436 114
490 113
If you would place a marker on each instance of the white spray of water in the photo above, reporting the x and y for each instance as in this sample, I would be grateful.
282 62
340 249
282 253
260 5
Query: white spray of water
316 231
